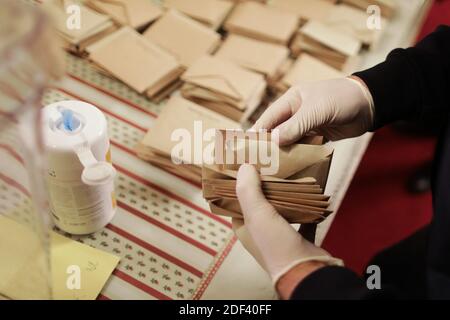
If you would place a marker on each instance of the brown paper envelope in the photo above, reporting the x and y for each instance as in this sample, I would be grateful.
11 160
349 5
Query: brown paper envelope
79 48
317 10
209 12
165 85
134 13
223 181
192 91
217 97
92 22
320 49
133 59
293 188
300 207
182 114
184 38
230 183
287 189
294 200
319 171
217 171
388 7
262 22
277 200
186 171
90 37
331 38
226 110
164 92
259 56
308 69
231 208
217 209
303 43
237 111
296 215
224 77
291 159
300 195
281 194
353 22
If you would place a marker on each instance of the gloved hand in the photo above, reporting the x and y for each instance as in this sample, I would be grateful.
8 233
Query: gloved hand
336 109
273 242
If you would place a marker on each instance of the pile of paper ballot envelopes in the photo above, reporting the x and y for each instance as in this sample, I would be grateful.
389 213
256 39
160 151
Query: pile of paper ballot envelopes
294 183
223 61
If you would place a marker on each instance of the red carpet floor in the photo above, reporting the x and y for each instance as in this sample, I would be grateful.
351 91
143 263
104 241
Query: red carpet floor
378 211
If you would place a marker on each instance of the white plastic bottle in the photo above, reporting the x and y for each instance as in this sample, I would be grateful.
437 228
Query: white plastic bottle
80 174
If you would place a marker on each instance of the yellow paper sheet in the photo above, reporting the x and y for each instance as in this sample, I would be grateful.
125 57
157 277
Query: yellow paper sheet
23 271
95 267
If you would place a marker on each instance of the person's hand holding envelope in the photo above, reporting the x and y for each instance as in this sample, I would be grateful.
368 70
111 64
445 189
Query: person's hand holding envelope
285 186
274 243
339 108
336 109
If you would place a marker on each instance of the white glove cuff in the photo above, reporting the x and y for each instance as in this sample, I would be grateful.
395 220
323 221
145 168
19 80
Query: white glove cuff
328 260
367 95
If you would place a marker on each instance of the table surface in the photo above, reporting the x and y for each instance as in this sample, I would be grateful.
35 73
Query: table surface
171 246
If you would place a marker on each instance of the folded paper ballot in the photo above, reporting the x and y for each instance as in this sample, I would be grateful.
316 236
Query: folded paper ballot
184 38
295 190
182 126
306 69
353 22
331 46
209 12
262 22
94 26
387 7
136 61
317 10
224 87
263 57
134 13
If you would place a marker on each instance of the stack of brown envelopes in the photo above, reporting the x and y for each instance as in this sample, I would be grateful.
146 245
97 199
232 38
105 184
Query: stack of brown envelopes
184 38
134 13
209 12
136 61
307 69
177 140
262 22
353 22
92 26
306 10
387 7
262 57
327 44
224 87
296 189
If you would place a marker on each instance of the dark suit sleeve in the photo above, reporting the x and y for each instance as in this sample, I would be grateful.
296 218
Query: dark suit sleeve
338 283
412 83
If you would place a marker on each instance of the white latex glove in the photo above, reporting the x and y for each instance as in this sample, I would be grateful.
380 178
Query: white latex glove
336 109
274 243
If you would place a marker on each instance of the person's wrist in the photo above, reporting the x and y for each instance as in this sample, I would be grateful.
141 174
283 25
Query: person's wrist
291 279
366 98
362 101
